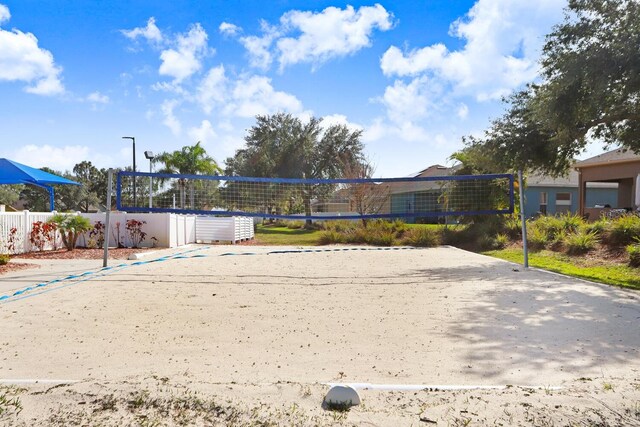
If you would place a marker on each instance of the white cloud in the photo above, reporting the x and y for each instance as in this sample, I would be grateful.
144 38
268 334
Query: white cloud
151 32
21 59
310 37
5 15
255 95
412 101
204 133
463 111
97 98
212 89
258 47
170 120
185 59
339 119
503 39
229 29
434 88
329 34
182 54
57 158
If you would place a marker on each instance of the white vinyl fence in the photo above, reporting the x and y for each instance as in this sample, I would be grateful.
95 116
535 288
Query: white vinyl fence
161 230
232 229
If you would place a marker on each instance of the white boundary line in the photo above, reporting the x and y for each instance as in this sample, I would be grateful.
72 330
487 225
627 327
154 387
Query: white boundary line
418 387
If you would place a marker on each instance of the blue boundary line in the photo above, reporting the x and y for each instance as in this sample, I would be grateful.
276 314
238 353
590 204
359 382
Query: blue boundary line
20 294
108 270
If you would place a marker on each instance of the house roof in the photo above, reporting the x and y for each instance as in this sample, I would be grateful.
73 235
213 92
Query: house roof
570 180
433 170
620 155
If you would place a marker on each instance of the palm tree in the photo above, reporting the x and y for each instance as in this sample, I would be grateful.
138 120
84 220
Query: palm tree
190 160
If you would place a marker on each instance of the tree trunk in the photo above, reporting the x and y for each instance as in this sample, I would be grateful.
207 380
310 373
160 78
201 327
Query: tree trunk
306 197
67 239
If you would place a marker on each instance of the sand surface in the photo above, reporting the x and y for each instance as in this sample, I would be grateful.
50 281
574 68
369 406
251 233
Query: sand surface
265 321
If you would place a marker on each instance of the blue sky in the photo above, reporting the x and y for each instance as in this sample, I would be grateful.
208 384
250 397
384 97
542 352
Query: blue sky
416 76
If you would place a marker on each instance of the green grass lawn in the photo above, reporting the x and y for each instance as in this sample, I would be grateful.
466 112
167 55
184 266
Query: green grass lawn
271 235
612 274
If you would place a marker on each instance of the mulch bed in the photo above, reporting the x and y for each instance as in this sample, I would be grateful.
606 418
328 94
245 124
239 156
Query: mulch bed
15 266
81 253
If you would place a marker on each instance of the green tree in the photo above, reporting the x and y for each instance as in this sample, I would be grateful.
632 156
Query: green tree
93 182
71 227
190 160
9 194
591 72
282 146
66 197
515 141
590 90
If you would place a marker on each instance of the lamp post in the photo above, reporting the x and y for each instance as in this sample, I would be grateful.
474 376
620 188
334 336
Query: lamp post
149 155
135 204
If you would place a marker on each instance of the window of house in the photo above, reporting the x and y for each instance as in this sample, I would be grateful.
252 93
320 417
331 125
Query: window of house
563 202
543 203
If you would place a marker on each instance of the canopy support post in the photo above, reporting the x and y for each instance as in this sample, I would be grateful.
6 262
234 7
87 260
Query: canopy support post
51 199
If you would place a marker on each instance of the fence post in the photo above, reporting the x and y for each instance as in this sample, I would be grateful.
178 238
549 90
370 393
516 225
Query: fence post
25 232
107 219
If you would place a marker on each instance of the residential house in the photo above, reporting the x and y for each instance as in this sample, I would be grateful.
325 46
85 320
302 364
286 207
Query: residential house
620 167
421 197
549 196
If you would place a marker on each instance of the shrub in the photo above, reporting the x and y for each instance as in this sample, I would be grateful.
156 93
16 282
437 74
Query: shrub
381 238
550 226
487 225
379 225
598 227
571 222
355 235
134 230
501 241
513 227
71 227
485 242
580 242
624 230
633 251
41 233
458 235
4 259
15 237
341 226
558 242
536 237
97 234
295 225
329 237
421 237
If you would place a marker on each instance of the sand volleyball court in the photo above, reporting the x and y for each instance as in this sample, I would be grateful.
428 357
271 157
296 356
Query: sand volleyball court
265 327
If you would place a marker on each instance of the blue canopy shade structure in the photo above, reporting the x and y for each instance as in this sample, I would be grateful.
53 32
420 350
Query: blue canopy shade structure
16 173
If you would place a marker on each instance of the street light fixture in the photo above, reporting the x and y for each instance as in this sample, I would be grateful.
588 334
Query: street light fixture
149 155
135 204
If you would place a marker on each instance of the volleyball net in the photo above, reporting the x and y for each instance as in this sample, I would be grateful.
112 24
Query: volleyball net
284 198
